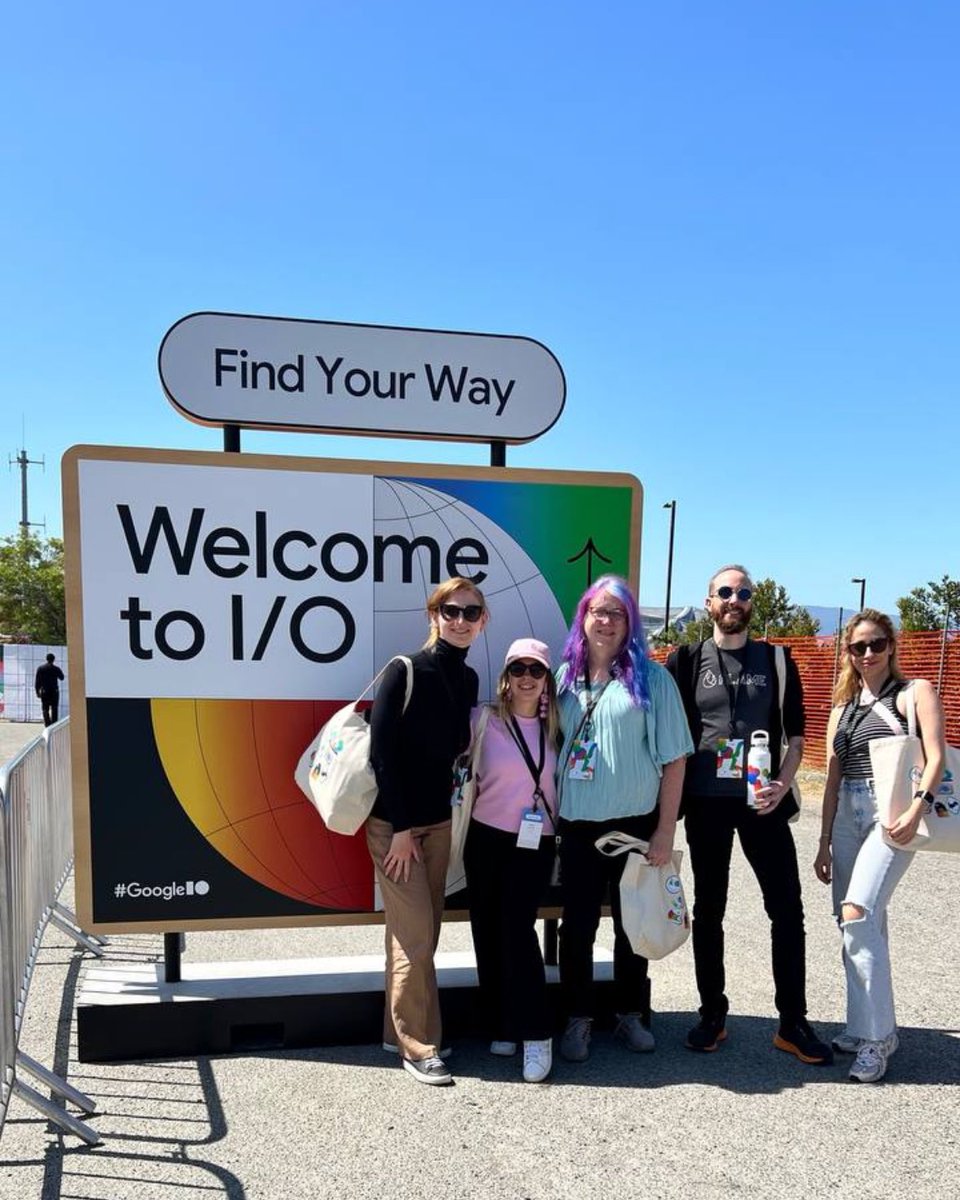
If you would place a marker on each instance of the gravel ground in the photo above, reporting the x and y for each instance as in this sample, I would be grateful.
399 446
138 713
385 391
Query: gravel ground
747 1121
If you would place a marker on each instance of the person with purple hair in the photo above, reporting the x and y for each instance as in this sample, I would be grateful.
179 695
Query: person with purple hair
625 742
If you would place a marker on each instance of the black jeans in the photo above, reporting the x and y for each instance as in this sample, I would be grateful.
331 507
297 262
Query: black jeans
50 706
768 845
585 875
506 886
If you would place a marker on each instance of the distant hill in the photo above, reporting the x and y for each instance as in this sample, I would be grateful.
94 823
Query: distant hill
828 616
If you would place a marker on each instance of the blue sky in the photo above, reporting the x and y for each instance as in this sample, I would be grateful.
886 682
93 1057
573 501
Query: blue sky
735 225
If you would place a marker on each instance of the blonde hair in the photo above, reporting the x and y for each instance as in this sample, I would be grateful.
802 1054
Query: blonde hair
848 681
440 595
503 710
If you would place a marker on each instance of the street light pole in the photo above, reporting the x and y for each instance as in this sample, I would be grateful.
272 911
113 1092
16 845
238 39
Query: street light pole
863 590
672 505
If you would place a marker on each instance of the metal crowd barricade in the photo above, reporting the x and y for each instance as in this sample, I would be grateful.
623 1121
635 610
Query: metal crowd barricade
36 856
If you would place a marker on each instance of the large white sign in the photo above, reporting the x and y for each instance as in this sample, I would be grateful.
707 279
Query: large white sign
272 372
234 582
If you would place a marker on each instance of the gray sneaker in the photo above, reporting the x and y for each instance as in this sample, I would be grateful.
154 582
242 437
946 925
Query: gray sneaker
428 1070
575 1043
634 1034
870 1065
846 1043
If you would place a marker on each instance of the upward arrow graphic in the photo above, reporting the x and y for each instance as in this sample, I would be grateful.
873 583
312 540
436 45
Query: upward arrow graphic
590 550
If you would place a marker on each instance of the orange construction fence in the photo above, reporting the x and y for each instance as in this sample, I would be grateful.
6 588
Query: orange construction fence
921 656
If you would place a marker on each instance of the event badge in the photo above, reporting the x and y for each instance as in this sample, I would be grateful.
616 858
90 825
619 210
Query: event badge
531 829
462 774
730 758
582 763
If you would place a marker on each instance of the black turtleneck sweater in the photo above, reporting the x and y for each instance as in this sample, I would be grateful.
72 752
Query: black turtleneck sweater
413 752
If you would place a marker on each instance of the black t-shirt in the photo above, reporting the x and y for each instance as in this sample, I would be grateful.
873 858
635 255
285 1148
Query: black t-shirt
734 693
413 752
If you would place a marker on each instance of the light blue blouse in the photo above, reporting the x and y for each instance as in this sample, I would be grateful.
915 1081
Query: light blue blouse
632 748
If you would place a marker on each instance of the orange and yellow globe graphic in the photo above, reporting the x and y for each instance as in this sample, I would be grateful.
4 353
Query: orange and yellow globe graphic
230 764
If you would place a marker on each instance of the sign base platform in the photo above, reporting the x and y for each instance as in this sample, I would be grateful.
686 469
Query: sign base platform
127 1011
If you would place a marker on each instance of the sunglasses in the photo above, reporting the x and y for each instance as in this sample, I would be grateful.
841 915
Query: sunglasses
877 645
727 593
535 670
469 612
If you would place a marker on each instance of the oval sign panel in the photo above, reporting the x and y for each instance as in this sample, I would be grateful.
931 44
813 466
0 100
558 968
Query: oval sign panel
379 380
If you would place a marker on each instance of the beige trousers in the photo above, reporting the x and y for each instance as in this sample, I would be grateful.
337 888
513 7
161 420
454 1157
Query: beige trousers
412 914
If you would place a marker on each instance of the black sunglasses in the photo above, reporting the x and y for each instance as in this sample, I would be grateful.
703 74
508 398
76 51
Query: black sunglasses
469 612
877 645
726 593
535 669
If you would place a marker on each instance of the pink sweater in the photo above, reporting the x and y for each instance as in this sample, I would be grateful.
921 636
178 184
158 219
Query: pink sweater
504 783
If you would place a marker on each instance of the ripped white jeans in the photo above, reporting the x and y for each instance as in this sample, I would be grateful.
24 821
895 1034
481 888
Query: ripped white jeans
865 872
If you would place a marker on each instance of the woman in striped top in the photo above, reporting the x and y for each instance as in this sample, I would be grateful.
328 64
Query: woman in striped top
863 868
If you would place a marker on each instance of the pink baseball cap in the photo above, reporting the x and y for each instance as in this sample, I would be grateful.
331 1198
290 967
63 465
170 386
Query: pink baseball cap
528 648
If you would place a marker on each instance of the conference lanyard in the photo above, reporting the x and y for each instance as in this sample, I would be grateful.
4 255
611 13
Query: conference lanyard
733 687
535 769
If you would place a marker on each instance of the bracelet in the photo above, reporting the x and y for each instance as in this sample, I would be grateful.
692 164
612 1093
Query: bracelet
824 837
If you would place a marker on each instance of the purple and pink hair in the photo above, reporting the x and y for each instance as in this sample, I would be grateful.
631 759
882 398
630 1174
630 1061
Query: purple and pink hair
630 665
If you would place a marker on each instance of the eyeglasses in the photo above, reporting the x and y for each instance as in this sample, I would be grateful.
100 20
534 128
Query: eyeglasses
535 670
727 593
613 615
877 645
469 612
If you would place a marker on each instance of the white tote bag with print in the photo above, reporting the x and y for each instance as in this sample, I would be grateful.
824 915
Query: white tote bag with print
897 763
652 903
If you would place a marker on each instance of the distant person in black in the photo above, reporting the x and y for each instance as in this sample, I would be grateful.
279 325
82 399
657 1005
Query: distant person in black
47 685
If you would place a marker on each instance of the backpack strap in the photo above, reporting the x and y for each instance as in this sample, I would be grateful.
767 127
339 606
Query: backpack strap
780 666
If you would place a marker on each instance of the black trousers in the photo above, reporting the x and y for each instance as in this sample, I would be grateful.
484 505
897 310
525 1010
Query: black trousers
506 886
585 877
50 706
767 843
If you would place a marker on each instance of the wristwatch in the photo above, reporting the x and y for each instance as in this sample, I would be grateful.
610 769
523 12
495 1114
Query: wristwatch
926 797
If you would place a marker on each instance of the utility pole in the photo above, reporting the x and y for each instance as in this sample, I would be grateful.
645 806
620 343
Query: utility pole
672 505
23 462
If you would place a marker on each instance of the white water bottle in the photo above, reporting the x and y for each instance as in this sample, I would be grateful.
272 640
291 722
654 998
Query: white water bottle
758 765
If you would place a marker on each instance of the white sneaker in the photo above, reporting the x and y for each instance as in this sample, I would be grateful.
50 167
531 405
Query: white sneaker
870 1065
503 1049
892 1044
846 1043
537 1060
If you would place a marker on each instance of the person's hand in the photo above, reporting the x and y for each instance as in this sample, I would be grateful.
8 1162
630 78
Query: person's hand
404 850
904 828
661 847
769 797
823 863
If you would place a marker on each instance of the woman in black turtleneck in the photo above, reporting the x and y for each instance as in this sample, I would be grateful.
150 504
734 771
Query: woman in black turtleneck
408 833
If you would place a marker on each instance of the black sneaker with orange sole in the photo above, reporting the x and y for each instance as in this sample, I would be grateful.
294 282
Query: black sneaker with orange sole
707 1034
797 1037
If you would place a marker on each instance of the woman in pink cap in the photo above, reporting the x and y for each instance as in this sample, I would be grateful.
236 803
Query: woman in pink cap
509 853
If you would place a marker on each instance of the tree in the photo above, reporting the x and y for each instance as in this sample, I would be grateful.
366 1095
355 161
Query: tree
31 590
774 616
927 607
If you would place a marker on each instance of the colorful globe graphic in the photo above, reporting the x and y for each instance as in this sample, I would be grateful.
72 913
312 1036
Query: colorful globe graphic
231 762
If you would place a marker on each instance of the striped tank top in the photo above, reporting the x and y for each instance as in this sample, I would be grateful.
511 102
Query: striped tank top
858 726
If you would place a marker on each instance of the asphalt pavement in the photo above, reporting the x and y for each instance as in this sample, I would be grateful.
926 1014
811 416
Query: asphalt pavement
746 1121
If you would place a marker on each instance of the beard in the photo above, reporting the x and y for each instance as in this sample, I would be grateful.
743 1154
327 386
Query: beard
733 621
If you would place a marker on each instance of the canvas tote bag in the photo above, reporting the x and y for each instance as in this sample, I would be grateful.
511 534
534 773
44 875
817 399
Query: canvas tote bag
652 903
461 813
334 772
897 763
